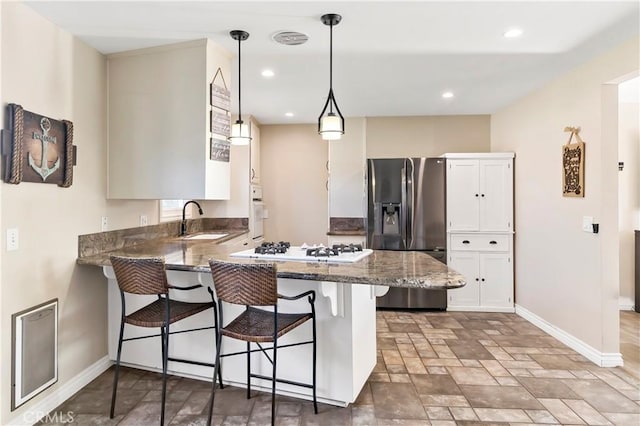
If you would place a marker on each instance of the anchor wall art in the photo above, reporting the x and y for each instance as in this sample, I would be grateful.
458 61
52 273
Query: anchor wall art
37 149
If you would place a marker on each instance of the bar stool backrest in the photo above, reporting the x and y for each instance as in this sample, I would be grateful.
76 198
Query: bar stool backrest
140 275
245 284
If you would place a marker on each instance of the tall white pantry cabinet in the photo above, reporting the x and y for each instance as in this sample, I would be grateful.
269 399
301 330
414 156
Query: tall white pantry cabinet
480 230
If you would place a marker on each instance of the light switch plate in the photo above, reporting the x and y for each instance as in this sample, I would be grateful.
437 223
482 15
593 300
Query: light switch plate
587 224
143 220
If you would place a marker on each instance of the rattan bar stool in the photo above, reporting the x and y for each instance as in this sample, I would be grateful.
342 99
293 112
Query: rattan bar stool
257 285
147 276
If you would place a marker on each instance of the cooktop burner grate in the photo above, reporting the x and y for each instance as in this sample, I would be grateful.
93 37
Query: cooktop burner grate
322 252
347 248
273 248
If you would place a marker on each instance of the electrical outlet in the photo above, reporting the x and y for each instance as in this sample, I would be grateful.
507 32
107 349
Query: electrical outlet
104 224
587 224
12 239
143 220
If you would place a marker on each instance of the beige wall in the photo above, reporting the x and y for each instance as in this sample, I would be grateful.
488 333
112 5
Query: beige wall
3 392
389 137
294 175
629 193
48 71
568 277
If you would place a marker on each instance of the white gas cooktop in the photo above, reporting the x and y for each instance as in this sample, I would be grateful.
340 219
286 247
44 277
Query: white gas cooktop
299 254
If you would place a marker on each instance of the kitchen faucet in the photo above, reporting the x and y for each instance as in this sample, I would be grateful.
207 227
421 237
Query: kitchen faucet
183 225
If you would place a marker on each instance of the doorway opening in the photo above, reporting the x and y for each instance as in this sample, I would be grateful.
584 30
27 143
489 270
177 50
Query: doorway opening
629 222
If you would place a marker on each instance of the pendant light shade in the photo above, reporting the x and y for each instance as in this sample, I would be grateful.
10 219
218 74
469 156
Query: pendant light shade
240 131
330 124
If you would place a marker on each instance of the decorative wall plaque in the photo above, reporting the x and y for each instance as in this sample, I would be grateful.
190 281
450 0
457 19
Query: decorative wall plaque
220 96
573 155
220 122
220 150
37 149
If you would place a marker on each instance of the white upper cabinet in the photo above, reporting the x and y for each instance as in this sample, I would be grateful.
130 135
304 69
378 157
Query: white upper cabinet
480 192
346 167
463 192
159 123
496 195
255 153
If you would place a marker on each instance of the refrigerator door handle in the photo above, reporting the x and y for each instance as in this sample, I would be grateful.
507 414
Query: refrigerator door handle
403 207
410 202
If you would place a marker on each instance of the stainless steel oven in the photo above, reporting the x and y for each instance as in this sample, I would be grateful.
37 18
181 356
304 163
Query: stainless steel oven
257 212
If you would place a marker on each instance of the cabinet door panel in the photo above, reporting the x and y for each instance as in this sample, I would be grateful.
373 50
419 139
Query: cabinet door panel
462 195
466 263
255 153
497 288
496 195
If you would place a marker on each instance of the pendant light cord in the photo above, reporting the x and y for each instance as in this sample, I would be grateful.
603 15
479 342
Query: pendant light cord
331 67
239 81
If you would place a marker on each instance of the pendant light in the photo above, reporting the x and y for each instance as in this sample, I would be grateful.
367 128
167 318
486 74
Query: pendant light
330 125
240 131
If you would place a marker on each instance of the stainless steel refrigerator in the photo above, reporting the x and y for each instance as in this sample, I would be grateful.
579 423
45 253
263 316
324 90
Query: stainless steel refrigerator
406 211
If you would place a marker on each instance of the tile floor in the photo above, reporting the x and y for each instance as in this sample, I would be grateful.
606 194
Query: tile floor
630 342
433 369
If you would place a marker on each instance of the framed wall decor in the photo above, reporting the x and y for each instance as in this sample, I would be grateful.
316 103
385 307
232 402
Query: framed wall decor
573 159
220 150
220 122
37 149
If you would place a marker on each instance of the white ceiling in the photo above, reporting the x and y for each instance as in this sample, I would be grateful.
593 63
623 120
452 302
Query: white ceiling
391 58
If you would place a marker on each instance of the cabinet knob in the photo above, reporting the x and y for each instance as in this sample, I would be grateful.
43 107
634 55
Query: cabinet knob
493 242
476 195
482 195
482 280
465 242
476 279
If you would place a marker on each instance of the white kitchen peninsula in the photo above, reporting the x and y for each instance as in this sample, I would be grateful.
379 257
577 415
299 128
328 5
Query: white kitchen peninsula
345 309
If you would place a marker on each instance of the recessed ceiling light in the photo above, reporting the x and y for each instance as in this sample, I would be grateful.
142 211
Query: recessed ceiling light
447 95
512 33
288 114
268 73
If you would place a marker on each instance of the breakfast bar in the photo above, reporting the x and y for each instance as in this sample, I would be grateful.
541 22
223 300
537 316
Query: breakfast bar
345 311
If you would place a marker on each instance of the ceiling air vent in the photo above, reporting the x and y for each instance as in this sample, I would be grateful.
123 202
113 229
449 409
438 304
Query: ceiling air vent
290 38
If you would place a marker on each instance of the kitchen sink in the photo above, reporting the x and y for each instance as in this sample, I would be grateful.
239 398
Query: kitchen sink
204 236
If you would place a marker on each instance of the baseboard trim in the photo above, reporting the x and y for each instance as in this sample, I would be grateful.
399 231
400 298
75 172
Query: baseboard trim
601 359
49 403
626 304
508 309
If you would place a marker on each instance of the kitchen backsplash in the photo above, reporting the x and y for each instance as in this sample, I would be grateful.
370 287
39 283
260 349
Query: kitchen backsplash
100 242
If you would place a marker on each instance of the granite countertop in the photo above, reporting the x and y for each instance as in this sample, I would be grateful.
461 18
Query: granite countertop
389 268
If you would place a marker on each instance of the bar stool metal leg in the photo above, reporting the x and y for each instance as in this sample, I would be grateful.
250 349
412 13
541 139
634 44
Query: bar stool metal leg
216 369
117 372
315 344
216 334
248 370
165 349
275 357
